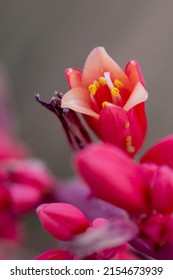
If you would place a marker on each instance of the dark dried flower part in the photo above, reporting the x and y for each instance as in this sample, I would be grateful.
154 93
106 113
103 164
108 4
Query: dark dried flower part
75 132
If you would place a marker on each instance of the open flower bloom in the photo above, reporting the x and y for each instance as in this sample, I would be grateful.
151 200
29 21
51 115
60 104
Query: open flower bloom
144 190
111 100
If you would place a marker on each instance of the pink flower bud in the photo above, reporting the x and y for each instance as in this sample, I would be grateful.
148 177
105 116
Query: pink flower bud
113 177
62 220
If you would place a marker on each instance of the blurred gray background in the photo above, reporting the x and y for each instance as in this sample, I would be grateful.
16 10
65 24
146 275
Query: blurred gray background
39 39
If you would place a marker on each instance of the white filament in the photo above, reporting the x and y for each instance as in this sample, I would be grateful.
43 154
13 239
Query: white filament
108 80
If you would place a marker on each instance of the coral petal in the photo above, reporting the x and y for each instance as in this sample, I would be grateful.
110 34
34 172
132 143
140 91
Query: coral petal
138 95
98 62
78 99
73 77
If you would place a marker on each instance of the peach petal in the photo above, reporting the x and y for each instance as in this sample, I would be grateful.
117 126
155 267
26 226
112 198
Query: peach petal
78 100
138 95
98 62
73 77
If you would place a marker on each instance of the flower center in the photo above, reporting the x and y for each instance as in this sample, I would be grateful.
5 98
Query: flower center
106 80
102 96
114 90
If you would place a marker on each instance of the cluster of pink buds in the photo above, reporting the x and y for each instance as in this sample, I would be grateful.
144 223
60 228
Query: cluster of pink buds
25 182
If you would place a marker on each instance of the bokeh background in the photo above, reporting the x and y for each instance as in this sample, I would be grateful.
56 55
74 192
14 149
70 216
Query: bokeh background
39 39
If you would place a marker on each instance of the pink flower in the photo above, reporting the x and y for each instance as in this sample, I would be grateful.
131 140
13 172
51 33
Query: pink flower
55 255
8 221
144 190
62 220
29 183
10 148
111 100
125 252
114 177
97 239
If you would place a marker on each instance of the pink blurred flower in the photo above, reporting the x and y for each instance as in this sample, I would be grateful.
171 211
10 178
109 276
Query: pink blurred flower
111 100
144 190
7 217
55 255
126 252
62 220
97 239
29 183
123 252
24 181
9 225
10 146
112 176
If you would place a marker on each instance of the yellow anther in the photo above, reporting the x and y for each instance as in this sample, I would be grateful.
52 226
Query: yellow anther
118 83
104 103
128 140
115 91
130 149
127 124
102 81
96 83
92 89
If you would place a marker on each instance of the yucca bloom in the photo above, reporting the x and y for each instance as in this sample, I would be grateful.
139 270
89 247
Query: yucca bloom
144 190
111 100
